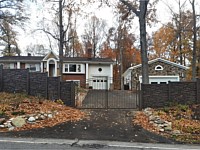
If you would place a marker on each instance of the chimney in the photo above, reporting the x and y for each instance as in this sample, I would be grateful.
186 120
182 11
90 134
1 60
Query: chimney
89 53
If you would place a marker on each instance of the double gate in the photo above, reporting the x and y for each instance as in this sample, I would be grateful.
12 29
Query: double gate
107 98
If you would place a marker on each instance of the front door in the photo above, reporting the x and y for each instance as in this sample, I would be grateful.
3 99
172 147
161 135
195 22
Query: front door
51 70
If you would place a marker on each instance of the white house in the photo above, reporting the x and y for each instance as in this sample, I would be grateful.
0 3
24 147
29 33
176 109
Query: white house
95 73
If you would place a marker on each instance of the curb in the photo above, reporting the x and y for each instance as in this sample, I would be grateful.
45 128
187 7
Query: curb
102 144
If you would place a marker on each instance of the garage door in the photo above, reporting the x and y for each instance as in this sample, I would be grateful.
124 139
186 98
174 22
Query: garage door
161 79
99 83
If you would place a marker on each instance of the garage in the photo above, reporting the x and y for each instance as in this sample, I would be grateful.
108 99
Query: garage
161 79
160 71
100 83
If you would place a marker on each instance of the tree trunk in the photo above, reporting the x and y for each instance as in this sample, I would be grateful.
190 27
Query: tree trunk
194 42
61 40
143 43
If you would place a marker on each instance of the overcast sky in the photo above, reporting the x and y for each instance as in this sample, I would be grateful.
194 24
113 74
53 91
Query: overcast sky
37 13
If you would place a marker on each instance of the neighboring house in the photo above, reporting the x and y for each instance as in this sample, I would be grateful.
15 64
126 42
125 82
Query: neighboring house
96 73
161 71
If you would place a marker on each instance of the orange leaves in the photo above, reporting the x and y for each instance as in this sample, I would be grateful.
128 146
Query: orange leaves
180 117
32 106
108 53
142 120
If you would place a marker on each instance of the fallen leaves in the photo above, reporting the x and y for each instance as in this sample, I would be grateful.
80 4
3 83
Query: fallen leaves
142 120
181 118
32 105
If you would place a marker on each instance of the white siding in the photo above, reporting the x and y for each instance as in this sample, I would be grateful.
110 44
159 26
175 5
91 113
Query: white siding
100 72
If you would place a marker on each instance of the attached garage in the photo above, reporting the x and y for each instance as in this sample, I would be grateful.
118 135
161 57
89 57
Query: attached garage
99 83
100 76
161 79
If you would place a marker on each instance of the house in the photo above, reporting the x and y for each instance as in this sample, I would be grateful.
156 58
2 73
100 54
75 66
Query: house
95 73
161 71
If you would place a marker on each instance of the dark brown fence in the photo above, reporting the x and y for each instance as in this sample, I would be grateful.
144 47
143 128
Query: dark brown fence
160 95
36 84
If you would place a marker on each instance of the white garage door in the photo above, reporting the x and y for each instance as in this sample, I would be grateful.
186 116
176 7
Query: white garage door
99 83
161 79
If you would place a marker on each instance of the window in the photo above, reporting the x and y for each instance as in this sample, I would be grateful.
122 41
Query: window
33 67
158 67
77 82
163 83
66 68
73 68
154 82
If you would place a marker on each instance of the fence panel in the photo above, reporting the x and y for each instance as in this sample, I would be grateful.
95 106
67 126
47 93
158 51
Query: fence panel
160 95
53 88
15 80
38 84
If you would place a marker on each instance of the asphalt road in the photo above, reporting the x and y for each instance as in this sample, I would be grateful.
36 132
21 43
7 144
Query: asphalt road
61 144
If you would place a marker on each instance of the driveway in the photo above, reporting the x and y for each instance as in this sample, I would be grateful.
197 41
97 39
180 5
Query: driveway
112 125
110 99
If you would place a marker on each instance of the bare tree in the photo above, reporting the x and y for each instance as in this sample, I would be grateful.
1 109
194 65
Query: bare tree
9 40
94 33
194 54
11 14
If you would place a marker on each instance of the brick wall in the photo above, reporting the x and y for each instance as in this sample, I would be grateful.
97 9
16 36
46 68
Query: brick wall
53 88
198 91
183 92
161 95
154 95
36 84
67 90
1 78
15 80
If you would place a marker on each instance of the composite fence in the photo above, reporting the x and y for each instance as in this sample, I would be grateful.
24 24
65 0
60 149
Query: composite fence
161 95
37 84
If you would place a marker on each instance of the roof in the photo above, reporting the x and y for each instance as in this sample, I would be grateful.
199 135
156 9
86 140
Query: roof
21 58
85 59
156 60
65 59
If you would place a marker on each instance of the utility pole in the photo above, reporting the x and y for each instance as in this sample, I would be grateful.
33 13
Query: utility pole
61 39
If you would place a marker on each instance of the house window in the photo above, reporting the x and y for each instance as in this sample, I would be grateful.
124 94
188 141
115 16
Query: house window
77 82
73 68
158 67
33 67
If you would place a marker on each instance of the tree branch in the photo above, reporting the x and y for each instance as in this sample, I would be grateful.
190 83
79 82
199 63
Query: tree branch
130 7
53 36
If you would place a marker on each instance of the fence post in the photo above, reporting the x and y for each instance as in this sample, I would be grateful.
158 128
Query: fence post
72 93
59 88
198 91
28 82
140 96
169 92
1 79
47 88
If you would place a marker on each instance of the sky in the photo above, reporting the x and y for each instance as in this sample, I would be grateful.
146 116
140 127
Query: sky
37 13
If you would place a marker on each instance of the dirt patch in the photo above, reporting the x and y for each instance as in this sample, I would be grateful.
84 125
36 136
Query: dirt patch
114 125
